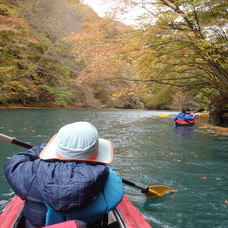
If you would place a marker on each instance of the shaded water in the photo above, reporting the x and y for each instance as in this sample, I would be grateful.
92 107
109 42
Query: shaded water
148 151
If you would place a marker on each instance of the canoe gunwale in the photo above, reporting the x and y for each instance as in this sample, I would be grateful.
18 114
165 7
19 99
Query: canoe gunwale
125 215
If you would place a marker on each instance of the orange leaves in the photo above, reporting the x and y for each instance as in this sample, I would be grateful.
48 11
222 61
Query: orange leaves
10 23
98 47
7 28
95 30
10 19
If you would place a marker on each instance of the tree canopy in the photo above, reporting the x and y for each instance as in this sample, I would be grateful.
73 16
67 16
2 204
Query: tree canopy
185 46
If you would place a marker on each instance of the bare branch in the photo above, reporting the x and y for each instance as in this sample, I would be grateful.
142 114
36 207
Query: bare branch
197 19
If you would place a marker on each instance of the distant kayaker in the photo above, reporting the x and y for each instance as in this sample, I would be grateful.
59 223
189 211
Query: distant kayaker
67 178
184 115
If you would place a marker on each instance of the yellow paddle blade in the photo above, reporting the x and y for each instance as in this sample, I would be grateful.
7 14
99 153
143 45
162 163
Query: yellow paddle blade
203 115
163 115
159 191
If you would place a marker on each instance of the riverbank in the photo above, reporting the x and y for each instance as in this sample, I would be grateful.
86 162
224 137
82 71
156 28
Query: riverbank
210 129
45 107
20 107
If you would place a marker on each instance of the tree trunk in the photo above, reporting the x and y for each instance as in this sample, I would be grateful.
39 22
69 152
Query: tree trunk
219 112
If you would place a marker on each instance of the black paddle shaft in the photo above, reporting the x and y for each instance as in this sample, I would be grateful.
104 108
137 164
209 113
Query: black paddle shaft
12 140
143 190
22 144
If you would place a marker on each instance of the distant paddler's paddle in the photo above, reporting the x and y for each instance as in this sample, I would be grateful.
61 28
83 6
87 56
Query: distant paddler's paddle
151 192
163 115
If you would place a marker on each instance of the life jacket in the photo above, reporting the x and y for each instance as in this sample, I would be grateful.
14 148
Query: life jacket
107 200
181 117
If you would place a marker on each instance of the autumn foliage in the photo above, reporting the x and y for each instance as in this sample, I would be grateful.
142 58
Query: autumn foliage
70 56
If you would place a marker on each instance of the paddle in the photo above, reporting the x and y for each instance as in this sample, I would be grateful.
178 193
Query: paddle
12 140
154 191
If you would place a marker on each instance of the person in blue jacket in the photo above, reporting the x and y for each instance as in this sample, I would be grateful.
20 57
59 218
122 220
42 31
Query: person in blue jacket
67 176
185 115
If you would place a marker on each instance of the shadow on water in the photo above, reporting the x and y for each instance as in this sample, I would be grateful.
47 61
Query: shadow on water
148 151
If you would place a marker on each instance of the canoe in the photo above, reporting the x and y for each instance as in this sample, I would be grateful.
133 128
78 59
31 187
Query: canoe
125 215
184 123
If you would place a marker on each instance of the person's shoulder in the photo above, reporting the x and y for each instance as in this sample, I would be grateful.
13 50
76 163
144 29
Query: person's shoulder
70 166
94 166
91 164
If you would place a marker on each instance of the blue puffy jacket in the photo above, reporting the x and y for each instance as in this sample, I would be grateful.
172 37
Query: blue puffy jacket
183 116
62 185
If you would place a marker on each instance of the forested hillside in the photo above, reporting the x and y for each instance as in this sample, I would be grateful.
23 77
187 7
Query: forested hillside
41 65
33 70
59 53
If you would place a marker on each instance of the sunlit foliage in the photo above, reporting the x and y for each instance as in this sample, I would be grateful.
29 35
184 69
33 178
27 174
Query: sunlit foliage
185 45
31 68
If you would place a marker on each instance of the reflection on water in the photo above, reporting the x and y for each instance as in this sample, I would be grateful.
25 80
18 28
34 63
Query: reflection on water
183 131
149 150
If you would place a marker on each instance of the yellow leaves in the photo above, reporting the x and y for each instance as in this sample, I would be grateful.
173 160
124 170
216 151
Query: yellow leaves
17 86
123 92
211 50
6 10
5 69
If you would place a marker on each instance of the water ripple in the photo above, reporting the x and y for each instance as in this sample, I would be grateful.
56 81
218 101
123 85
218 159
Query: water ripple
148 151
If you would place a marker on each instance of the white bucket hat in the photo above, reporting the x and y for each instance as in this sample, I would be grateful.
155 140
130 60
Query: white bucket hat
78 141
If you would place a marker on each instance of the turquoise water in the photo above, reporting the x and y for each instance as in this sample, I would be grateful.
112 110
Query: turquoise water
148 151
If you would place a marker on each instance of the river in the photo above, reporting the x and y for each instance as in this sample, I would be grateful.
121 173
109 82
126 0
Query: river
149 150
